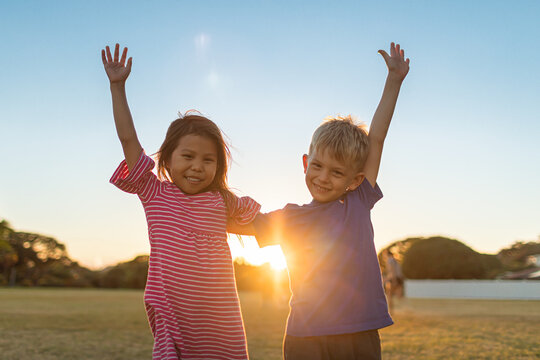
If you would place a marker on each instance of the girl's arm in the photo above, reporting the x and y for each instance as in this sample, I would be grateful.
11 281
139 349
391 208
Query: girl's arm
118 72
235 228
398 68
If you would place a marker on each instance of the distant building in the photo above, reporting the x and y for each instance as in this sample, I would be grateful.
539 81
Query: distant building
527 274
534 260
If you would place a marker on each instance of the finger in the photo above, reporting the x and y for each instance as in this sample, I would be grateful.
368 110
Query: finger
392 49
124 53
385 55
402 53
398 50
116 51
129 62
103 58
109 56
407 61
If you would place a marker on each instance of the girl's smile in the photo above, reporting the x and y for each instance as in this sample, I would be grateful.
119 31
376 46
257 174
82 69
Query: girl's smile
193 163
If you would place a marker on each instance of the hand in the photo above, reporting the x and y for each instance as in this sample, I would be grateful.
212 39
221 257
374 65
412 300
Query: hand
398 67
117 71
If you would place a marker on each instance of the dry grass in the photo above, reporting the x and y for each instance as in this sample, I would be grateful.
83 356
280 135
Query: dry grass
111 324
463 329
73 324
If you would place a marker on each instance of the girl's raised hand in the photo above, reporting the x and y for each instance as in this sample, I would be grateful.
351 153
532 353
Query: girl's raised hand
117 70
398 66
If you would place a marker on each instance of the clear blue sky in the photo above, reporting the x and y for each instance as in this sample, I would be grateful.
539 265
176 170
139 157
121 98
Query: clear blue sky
461 158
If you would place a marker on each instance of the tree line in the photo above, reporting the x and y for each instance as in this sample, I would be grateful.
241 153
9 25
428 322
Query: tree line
29 259
443 258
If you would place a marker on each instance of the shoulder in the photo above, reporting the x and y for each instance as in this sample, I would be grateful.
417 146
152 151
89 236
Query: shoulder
366 193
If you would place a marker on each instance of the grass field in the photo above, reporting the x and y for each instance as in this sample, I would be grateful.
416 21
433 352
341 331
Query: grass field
111 324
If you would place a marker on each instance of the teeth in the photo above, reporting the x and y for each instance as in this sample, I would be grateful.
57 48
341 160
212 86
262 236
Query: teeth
191 179
320 188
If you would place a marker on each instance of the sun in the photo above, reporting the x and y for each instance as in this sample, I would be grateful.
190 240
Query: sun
275 256
254 255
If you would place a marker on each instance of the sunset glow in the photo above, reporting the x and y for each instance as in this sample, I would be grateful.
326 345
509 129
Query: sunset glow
233 70
252 254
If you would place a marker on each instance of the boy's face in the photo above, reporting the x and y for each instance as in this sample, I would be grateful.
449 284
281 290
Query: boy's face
328 178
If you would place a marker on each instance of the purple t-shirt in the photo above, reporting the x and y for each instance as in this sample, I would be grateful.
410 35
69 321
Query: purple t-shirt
333 268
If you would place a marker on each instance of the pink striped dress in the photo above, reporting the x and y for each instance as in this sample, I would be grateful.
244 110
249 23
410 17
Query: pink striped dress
190 296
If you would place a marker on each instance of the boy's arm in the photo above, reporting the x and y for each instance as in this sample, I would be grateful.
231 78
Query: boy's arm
118 72
249 229
398 68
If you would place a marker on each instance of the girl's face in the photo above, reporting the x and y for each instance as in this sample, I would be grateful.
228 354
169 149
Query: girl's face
193 163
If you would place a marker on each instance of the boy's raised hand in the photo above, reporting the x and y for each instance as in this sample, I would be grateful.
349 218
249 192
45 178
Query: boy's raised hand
398 66
117 70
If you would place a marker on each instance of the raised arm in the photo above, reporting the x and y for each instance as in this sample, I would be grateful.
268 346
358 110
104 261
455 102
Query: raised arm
118 72
398 67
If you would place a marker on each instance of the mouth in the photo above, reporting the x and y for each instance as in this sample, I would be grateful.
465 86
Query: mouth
193 180
321 189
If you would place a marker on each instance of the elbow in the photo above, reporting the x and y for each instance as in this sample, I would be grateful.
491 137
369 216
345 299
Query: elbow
377 141
128 141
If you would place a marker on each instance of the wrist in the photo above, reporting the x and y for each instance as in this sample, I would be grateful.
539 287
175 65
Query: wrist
393 78
118 85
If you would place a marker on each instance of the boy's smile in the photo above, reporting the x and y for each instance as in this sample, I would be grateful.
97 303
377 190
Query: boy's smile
193 163
328 178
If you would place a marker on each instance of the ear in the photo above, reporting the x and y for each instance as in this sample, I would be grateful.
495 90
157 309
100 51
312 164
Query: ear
305 162
356 181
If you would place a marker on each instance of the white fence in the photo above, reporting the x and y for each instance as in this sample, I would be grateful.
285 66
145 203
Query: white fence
473 289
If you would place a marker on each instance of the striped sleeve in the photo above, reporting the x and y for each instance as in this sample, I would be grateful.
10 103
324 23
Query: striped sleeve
140 180
243 210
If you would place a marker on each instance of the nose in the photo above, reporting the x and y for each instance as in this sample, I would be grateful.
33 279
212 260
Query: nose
196 166
324 176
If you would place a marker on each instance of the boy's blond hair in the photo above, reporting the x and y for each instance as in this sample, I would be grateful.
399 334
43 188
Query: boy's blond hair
346 141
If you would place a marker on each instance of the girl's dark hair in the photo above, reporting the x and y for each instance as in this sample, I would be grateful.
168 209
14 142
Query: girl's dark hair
193 123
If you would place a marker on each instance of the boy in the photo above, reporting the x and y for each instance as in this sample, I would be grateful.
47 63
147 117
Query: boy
338 302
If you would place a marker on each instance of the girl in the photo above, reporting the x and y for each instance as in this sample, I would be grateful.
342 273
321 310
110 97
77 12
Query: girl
190 296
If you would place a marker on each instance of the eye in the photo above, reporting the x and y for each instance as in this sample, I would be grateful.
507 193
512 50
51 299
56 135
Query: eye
316 165
338 173
187 156
209 160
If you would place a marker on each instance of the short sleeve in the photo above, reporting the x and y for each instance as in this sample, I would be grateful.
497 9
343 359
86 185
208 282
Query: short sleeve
243 210
140 180
369 195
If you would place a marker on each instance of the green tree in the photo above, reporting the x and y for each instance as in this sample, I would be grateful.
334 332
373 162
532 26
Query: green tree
263 278
8 255
515 256
130 274
444 258
8 258
35 254
398 249
30 259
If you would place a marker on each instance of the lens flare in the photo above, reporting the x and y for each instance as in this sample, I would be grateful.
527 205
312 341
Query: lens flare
252 254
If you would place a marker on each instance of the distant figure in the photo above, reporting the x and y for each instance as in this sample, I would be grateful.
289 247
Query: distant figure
190 295
338 302
393 278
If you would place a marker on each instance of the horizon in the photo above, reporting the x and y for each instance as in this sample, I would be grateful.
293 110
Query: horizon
250 253
460 158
